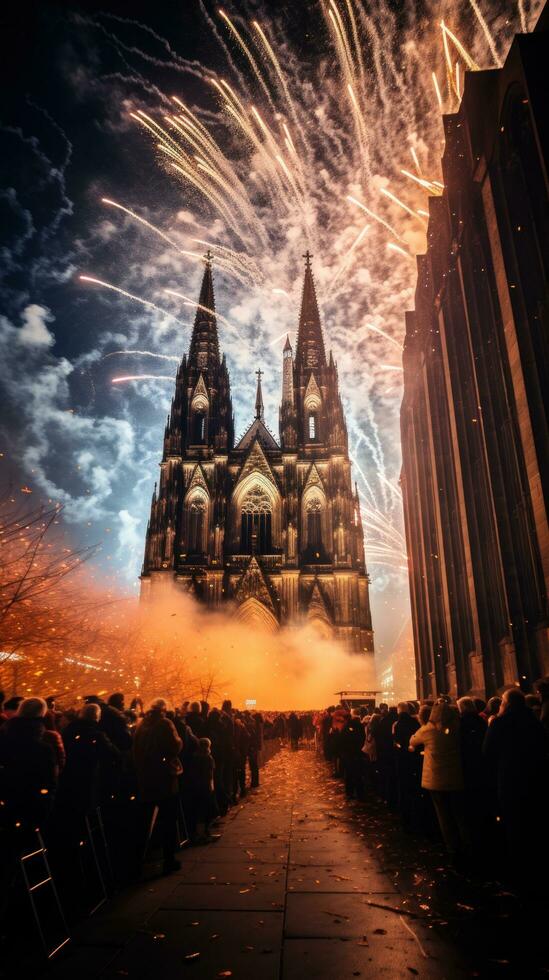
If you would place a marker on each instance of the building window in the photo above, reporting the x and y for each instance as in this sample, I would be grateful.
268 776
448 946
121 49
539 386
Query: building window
256 524
195 542
199 428
312 426
314 525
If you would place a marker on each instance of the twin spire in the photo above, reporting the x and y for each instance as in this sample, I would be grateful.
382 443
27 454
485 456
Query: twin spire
204 349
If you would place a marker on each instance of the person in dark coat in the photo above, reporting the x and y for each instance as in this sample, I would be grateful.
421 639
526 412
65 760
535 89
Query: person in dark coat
113 723
241 748
156 751
28 773
516 751
219 734
406 763
91 761
195 720
385 754
295 730
350 747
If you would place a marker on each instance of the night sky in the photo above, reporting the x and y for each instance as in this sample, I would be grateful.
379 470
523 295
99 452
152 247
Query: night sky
357 112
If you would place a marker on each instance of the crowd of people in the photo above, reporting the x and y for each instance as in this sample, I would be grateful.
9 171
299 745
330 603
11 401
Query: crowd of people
152 778
474 772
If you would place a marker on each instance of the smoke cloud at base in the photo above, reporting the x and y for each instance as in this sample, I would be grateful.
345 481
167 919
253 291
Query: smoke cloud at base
196 653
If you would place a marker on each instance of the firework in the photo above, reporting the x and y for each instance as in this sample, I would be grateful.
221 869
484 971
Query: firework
132 296
142 377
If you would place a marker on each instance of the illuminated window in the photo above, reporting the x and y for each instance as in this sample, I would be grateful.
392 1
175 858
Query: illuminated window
312 426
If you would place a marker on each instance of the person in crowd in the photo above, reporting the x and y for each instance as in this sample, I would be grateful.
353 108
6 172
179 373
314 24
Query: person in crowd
385 754
221 748
491 710
443 776
516 752
204 792
91 758
156 749
472 731
241 748
195 719
253 748
28 770
351 743
295 730
113 723
406 762
11 706
53 737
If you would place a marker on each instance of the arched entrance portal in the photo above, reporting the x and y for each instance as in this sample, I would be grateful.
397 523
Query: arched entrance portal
254 613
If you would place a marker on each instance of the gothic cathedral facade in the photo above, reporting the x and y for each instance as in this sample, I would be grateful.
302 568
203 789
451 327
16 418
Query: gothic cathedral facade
272 529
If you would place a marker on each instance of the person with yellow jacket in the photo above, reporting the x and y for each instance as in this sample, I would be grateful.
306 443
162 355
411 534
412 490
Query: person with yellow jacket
442 776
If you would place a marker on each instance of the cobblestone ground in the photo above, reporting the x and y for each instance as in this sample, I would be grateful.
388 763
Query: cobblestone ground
304 882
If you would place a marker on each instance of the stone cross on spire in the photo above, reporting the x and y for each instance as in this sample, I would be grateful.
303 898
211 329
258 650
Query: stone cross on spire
259 412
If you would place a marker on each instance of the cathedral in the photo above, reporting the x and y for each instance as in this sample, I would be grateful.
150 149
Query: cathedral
270 528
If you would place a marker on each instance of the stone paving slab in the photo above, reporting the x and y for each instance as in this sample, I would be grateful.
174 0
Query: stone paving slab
254 853
260 896
311 878
333 915
245 943
334 959
302 854
236 873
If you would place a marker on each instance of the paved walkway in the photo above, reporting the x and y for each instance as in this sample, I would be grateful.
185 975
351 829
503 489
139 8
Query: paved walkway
295 886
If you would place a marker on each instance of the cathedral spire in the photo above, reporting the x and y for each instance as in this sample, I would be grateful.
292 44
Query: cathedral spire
259 410
310 344
204 350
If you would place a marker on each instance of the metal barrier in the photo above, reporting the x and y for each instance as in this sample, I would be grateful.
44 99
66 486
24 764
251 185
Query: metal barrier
39 856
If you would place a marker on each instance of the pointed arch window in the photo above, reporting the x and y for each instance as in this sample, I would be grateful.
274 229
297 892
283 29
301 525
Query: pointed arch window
256 527
199 427
196 522
314 524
